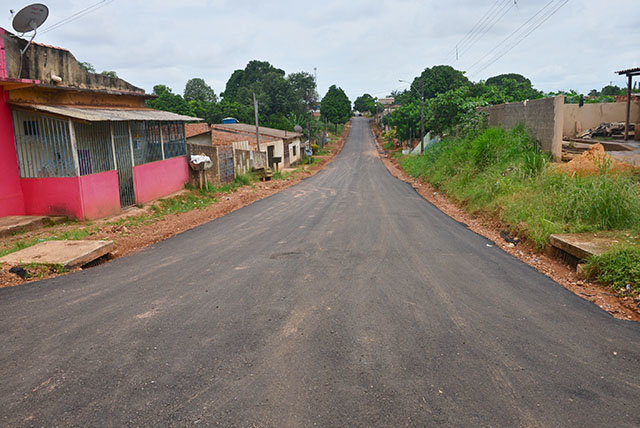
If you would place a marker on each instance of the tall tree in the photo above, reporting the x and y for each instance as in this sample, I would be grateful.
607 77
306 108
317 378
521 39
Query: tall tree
197 89
169 101
365 103
438 80
304 88
335 105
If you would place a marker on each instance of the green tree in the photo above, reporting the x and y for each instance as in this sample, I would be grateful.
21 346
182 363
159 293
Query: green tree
197 89
335 106
168 101
438 80
305 90
365 103
516 87
612 90
112 74
87 66
500 78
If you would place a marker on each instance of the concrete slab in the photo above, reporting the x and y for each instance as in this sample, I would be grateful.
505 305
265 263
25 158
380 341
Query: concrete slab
16 223
583 245
69 254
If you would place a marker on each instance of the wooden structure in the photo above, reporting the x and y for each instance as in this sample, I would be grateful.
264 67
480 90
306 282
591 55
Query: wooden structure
629 73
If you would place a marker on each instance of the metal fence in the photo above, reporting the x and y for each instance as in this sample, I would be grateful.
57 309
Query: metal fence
225 164
94 147
173 139
43 145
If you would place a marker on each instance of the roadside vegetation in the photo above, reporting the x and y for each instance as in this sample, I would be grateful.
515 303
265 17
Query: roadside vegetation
503 174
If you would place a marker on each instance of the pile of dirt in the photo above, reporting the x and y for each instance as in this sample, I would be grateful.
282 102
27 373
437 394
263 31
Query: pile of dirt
593 161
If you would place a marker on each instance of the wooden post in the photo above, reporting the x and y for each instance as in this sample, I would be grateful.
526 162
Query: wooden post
626 126
255 109
74 149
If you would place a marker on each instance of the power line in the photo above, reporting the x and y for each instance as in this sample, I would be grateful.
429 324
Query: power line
509 36
533 28
486 14
78 15
489 26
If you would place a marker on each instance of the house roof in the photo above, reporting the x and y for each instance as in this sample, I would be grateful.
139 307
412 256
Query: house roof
222 137
630 71
251 129
193 129
102 114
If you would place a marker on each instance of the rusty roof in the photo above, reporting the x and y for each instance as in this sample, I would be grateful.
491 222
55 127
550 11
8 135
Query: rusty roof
193 129
223 137
106 114
251 129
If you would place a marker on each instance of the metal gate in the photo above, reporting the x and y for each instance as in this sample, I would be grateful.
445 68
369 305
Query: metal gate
225 164
124 163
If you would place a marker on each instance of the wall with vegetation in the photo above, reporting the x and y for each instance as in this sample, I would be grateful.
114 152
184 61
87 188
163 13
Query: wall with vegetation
543 118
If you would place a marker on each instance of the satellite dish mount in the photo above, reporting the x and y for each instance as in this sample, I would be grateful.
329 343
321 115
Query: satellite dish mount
30 18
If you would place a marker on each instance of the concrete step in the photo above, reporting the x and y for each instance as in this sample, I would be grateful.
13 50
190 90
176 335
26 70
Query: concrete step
22 223
68 253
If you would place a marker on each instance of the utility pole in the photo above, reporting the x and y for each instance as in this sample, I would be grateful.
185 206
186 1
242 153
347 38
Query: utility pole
255 108
422 117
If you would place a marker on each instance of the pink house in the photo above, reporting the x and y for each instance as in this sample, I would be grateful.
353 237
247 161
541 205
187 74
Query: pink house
80 144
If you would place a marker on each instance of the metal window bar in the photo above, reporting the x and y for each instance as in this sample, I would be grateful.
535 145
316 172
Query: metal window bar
43 145
175 143
93 142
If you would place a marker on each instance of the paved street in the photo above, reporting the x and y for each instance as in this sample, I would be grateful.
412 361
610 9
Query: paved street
344 300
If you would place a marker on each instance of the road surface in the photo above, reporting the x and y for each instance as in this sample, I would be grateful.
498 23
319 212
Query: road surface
345 300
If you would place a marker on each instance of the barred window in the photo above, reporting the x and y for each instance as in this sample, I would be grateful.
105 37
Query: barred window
95 153
43 145
175 143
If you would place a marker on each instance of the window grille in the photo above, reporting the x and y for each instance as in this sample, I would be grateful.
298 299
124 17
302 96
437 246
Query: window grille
94 147
174 142
43 145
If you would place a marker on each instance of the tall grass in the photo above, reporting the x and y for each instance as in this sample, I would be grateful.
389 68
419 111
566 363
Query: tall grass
504 173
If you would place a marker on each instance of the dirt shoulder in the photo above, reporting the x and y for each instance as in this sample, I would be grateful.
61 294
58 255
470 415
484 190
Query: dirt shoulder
556 269
135 232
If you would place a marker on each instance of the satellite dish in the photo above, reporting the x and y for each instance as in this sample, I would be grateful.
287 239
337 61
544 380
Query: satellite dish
30 18
297 128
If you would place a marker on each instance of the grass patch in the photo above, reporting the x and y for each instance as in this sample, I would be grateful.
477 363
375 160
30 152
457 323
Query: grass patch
389 146
618 268
504 174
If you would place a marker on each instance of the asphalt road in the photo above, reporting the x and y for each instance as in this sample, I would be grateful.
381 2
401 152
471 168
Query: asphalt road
345 300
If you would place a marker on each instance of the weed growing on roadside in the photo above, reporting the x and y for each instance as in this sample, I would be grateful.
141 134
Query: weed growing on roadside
617 268
504 173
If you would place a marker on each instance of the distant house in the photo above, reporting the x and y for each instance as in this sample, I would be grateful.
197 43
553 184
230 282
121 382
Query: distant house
276 143
80 144
198 133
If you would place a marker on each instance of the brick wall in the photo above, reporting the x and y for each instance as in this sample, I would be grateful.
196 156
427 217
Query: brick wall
543 118
212 174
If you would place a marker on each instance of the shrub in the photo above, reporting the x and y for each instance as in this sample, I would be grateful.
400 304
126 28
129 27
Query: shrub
617 268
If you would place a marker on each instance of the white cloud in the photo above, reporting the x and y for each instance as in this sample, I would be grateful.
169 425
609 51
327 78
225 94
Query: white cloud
362 46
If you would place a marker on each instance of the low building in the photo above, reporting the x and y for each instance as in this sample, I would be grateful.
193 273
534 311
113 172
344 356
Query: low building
80 144
198 133
276 143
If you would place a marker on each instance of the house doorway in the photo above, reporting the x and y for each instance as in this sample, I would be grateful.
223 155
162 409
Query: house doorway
270 156
124 163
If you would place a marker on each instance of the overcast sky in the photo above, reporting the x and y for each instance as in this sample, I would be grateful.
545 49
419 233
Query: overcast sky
361 46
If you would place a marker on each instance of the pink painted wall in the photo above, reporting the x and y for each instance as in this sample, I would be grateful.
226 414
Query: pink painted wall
85 198
157 179
100 194
52 196
11 198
